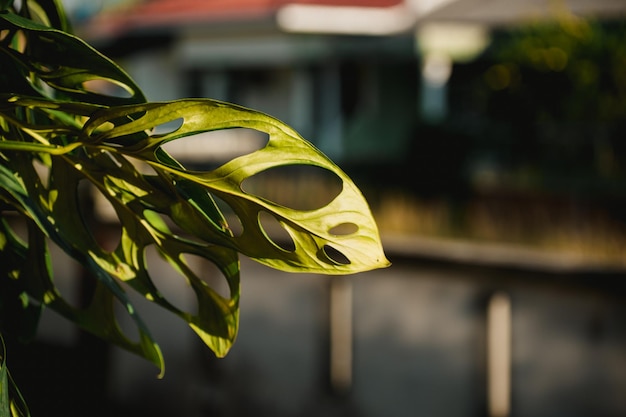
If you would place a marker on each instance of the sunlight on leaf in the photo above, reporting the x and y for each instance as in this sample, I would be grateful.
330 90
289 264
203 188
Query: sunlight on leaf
308 228
188 185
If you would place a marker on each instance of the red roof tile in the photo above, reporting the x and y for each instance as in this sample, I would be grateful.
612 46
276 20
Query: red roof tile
169 13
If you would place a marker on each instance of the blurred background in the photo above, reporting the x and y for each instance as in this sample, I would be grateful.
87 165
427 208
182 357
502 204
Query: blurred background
489 138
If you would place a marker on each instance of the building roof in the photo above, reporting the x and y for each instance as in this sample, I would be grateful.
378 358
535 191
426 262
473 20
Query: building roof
141 16
159 14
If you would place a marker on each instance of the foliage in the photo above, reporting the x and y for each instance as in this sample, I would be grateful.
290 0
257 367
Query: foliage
553 93
581 59
58 132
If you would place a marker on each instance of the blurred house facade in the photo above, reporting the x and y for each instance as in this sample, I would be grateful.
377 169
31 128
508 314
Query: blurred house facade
352 76
342 92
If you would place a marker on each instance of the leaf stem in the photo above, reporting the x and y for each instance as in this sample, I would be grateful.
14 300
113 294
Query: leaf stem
12 145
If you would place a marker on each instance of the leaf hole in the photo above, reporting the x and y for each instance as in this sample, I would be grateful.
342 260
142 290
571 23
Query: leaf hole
19 41
232 219
125 323
168 128
170 282
107 87
335 256
43 172
344 229
209 149
17 224
209 273
72 284
275 232
299 187
4 33
106 230
67 275
142 166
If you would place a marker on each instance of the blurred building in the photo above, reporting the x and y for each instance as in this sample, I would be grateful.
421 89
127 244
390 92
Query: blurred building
354 77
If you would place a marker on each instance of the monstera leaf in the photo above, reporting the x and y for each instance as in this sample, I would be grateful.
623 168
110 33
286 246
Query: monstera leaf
11 401
59 134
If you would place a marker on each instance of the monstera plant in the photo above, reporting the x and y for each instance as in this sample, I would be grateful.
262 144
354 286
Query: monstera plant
58 132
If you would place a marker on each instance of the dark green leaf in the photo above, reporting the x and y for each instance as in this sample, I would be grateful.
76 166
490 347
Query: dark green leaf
65 63
12 403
